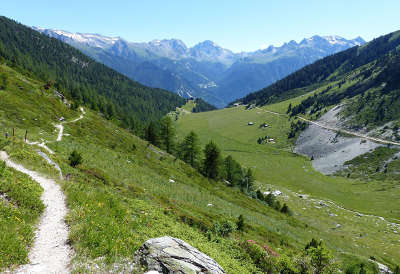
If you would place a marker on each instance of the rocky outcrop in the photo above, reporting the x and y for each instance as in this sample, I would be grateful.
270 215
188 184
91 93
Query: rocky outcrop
171 255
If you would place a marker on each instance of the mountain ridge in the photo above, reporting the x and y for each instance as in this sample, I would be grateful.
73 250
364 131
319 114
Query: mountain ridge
179 45
205 70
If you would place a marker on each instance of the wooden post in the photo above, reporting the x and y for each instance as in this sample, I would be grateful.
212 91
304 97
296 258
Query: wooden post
13 132
26 134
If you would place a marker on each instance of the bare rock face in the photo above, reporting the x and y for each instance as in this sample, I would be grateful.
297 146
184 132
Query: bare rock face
171 255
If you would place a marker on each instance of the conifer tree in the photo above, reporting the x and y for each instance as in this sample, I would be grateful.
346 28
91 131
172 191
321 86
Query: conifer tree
232 170
212 161
167 134
190 149
151 133
248 179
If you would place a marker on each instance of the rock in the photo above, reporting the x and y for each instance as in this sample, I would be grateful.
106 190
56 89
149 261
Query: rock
171 181
276 193
171 255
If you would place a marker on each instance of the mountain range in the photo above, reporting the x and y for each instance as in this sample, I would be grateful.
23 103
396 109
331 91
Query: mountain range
205 70
364 81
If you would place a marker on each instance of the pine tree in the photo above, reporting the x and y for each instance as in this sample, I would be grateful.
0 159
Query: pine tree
151 133
190 149
110 112
285 209
248 179
75 158
212 161
289 108
232 170
167 134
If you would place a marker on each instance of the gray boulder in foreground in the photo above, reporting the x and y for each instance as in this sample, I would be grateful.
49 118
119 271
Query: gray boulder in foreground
171 255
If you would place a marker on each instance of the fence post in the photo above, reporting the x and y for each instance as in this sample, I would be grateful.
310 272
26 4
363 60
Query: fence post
26 134
13 132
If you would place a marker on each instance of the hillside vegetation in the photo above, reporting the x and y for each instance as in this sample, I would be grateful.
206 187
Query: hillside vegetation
81 78
126 191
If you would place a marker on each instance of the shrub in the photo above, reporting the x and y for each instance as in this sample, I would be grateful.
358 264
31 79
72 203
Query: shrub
277 205
240 223
321 259
224 229
263 257
3 168
285 209
75 158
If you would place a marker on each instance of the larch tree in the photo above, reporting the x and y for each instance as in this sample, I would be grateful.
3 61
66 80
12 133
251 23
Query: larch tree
212 161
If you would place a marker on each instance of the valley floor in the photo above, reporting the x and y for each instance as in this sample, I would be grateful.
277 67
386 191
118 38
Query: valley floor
352 216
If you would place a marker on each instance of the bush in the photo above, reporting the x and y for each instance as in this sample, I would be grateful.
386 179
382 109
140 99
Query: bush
285 209
264 257
240 223
3 168
75 159
224 229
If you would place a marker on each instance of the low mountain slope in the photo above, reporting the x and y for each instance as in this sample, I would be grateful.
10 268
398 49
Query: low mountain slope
206 70
79 77
126 191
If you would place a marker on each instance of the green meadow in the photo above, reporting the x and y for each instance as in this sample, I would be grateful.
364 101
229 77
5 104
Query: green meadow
276 167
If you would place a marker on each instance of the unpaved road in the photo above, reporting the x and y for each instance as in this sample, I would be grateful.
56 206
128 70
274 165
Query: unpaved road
50 252
373 139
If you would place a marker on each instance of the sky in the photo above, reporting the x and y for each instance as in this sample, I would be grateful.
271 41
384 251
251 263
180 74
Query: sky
239 25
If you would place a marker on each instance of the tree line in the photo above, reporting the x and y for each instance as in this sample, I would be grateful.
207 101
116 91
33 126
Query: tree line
212 165
208 160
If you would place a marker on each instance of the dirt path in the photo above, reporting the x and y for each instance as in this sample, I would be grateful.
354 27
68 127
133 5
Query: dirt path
50 252
60 127
377 140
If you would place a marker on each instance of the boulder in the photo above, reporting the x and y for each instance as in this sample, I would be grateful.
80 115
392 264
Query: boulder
171 255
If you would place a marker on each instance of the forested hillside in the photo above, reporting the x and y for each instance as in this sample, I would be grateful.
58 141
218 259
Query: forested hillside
80 77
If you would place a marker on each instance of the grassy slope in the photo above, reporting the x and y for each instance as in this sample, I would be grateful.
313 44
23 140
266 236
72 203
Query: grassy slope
121 196
20 209
275 165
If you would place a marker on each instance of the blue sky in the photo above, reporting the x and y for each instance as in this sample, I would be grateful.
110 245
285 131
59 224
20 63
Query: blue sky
240 25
